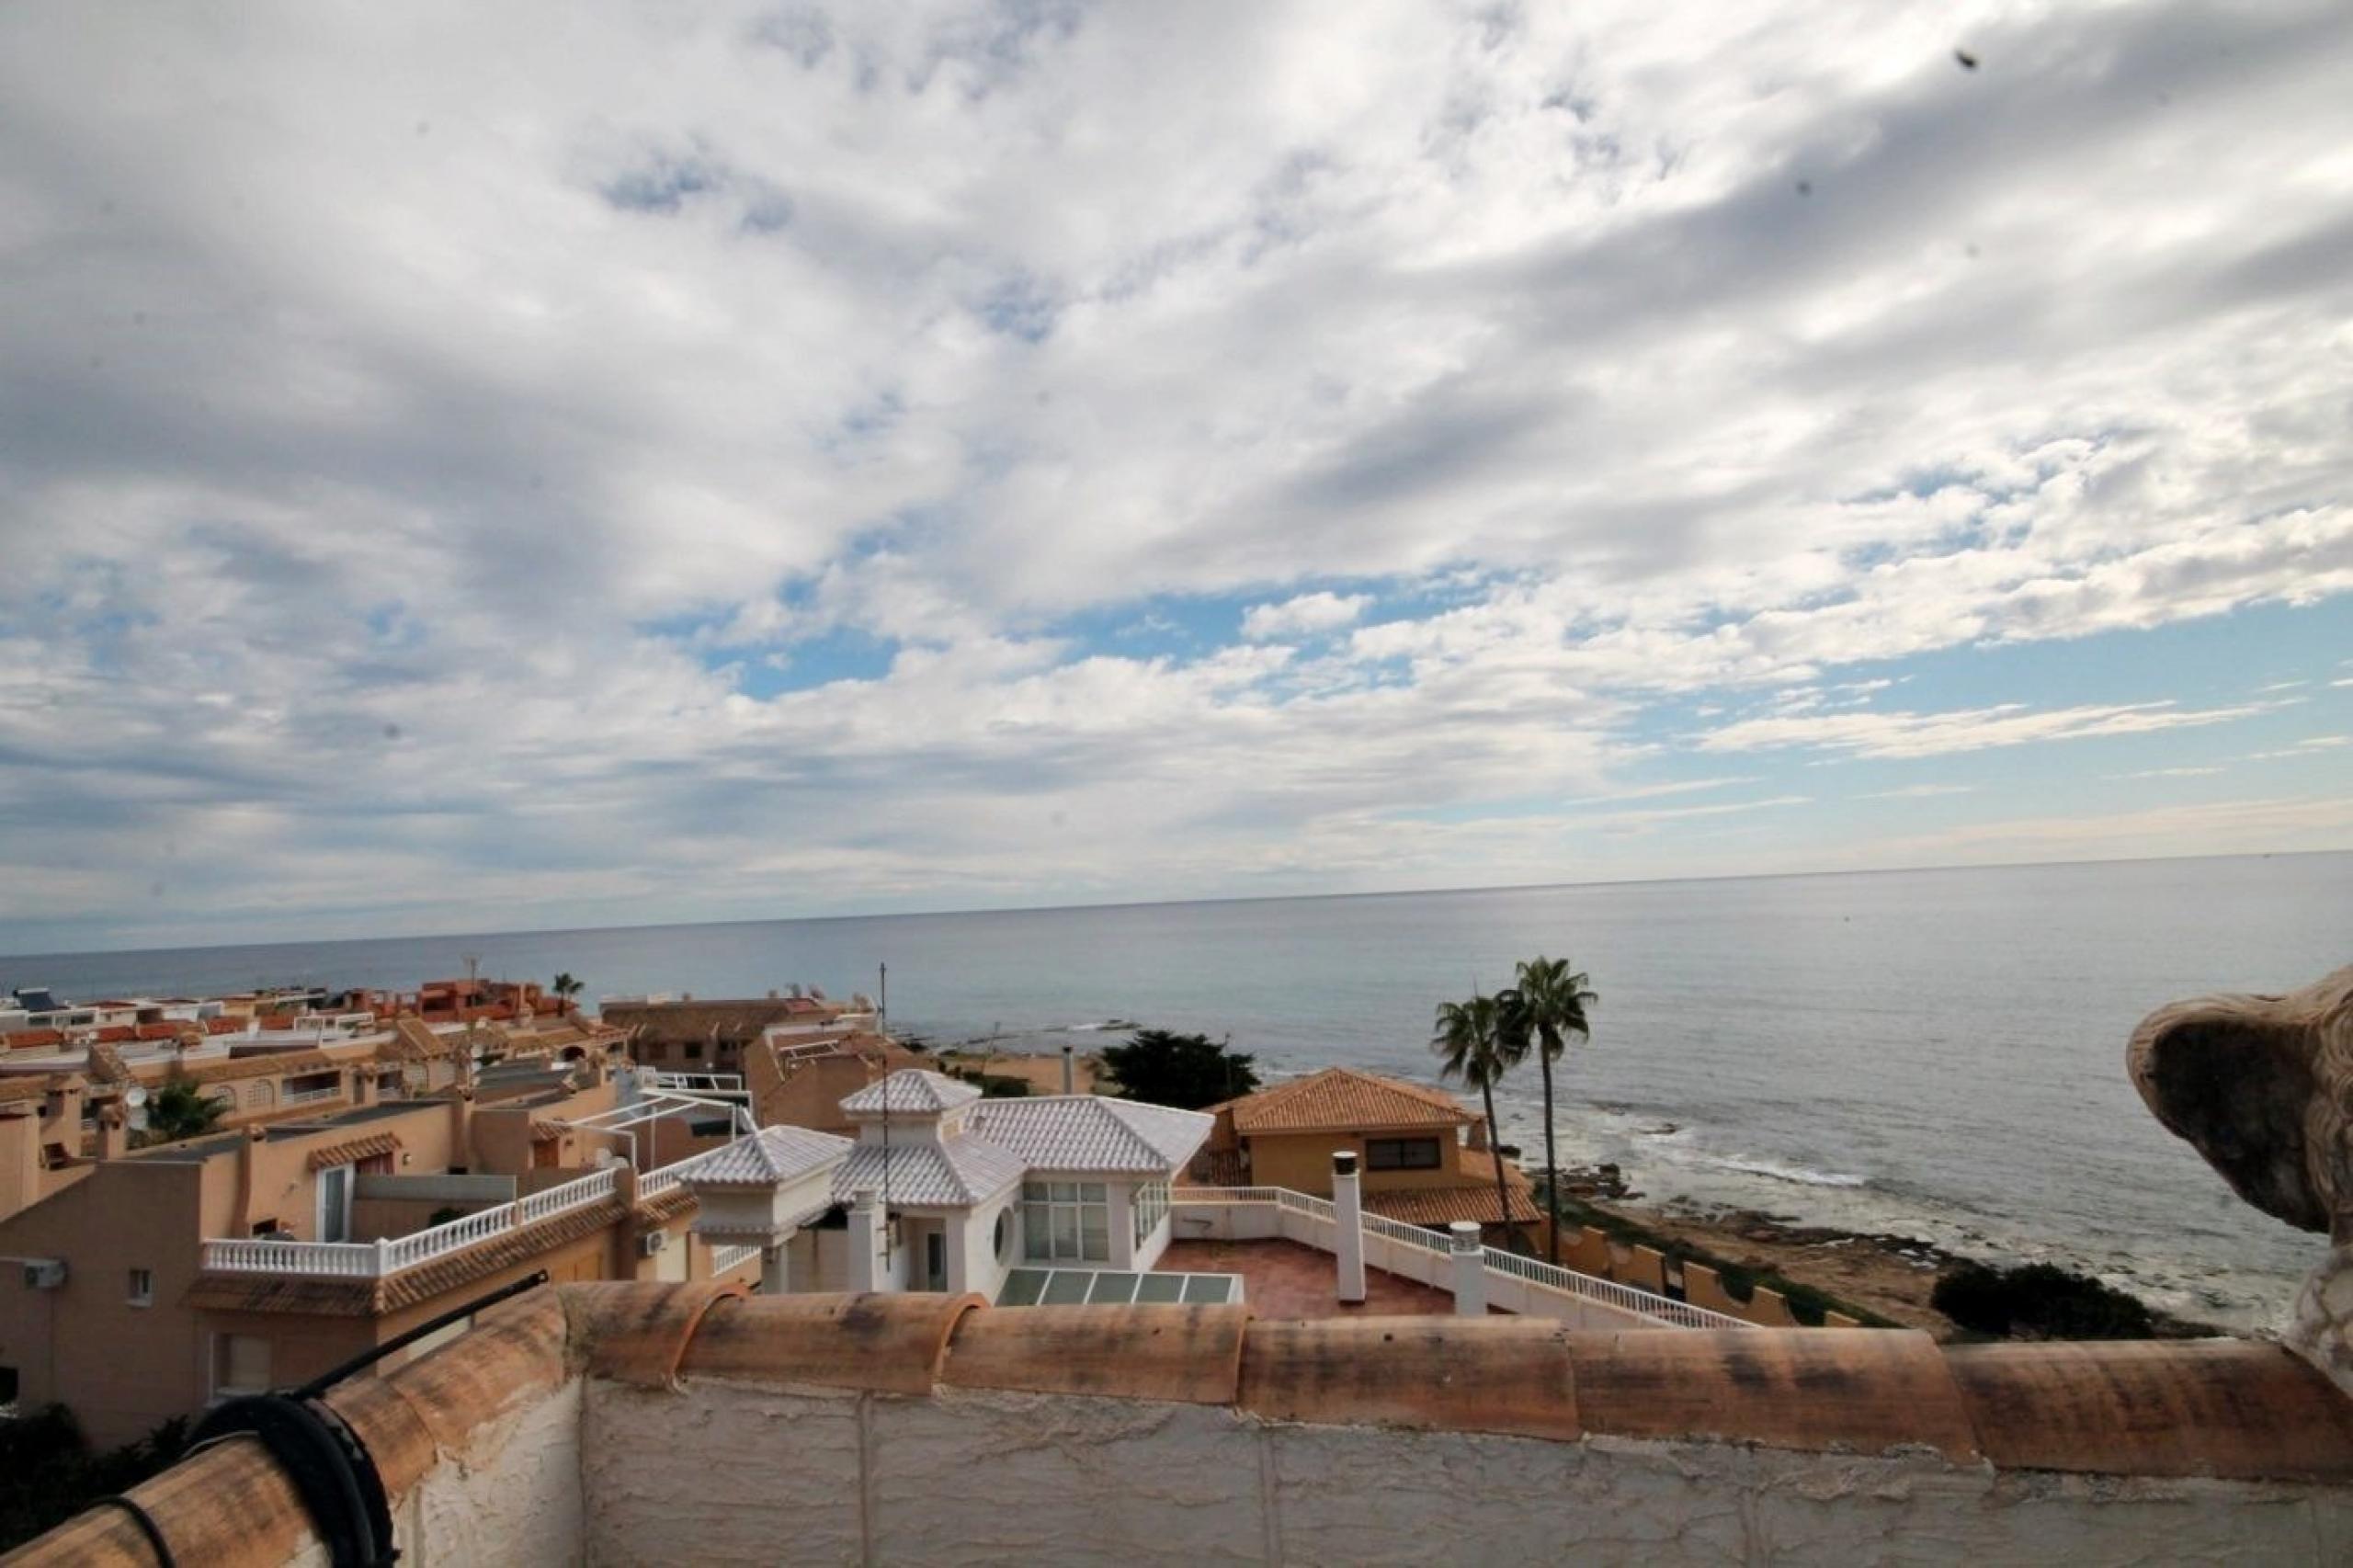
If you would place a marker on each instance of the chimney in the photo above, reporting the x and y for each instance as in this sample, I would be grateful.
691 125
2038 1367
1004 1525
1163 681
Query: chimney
1070 1070
1470 1270
1347 1217
248 1197
114 1130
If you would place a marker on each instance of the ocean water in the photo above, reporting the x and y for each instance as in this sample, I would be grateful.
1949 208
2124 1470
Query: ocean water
1938 1054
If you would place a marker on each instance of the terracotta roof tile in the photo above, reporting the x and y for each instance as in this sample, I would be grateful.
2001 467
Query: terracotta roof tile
887 1344
1192 1354
1444 1205
1342 1099
1511 1375
2155 1407
351 1150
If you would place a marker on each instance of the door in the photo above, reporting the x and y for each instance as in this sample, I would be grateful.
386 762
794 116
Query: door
934 1261
335 1204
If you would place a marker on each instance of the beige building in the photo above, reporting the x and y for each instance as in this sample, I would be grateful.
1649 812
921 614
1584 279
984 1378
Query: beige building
145 1283
1424 1157
686 1035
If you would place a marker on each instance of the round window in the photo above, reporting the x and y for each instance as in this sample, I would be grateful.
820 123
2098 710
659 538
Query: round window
1004 1236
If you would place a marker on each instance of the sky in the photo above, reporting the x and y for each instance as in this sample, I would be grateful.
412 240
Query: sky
474 467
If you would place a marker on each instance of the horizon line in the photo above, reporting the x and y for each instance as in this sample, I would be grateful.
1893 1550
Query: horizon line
1176 902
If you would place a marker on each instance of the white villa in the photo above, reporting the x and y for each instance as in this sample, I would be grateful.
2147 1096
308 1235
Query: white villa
943 1190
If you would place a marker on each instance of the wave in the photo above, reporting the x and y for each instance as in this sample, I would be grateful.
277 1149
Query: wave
1802 1175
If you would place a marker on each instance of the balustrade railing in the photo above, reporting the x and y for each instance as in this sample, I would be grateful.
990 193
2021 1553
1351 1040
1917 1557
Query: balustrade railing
1535 1271
374 1260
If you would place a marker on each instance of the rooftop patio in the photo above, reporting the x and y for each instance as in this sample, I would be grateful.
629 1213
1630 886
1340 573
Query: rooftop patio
1289 1279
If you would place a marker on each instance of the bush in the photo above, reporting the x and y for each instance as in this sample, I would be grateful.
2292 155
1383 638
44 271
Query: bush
47 1473
2039 1300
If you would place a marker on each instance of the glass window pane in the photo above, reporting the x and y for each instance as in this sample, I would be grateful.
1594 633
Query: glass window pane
1021 1288
1066 1232
1090 1191
1037 1230
1035 1191
1161 1288
1068 1287
1094 1232
1112 1285
1062 1191
1212 1288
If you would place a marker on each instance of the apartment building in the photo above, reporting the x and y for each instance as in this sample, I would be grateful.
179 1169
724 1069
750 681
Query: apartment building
144 1283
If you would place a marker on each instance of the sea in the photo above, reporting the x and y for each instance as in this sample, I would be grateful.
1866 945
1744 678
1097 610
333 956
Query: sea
1933 1053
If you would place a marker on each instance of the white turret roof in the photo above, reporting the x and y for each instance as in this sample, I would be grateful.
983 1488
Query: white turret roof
911 1091
1088 1132
770 1157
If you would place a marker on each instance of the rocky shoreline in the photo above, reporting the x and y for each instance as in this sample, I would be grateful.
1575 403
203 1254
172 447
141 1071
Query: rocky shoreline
1887 1273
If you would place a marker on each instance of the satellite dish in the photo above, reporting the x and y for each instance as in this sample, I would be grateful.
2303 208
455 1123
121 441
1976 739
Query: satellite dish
136 1098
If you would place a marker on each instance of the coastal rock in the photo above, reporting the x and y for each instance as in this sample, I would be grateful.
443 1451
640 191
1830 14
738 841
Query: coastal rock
2263 1086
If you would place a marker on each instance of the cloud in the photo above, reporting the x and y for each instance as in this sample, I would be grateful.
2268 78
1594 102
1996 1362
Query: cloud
786 459
1906 735
1919 792
1308 614
2171 773
2311 745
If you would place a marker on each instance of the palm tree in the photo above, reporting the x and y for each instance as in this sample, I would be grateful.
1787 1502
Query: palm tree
178 1111
1549 1003
566 987
1470 1042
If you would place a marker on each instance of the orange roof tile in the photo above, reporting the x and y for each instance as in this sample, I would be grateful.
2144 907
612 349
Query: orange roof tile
1343 1099
351 1150
1444 1205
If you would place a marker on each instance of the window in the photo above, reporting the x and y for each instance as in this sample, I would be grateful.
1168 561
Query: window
143 1288
240 1364
1150 1208
1066 1220
694 1050
335 1204
1401 1154
1003 1239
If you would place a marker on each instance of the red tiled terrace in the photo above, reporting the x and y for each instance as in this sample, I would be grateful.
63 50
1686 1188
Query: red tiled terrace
1285 1279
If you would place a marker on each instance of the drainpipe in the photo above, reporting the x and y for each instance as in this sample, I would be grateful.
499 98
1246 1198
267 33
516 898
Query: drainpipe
863 1218
1347 1213
772 1270
1070 1072
1470 1270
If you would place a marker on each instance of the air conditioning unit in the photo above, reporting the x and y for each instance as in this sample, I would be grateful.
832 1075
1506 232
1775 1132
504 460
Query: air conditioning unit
652 1243
44 1273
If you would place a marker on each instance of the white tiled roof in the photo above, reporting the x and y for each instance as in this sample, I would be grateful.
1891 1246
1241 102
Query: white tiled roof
911 1091
1087 1132
955 1172
771 1156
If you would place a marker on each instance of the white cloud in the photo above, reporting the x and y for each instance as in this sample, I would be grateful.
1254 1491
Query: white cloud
1904 734
2171 773
403 495
2309 746
1920 793
1308 614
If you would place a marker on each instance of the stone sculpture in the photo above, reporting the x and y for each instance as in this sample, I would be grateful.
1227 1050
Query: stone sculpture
2263 1086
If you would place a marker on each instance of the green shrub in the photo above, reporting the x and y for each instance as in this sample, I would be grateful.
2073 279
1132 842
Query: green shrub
2039 1300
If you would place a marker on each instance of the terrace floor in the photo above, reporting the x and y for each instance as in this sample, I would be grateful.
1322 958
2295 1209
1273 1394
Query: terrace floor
1285 1279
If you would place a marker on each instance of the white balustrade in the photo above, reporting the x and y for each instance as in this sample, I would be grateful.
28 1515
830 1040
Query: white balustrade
723 1258
373 1260
1527 1271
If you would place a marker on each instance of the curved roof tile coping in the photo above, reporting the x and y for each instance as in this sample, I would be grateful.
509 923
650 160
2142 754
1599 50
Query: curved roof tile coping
1863 1391
2229 1410
885 1343
2223 1407
1514 1376
1189 1353
636 1332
